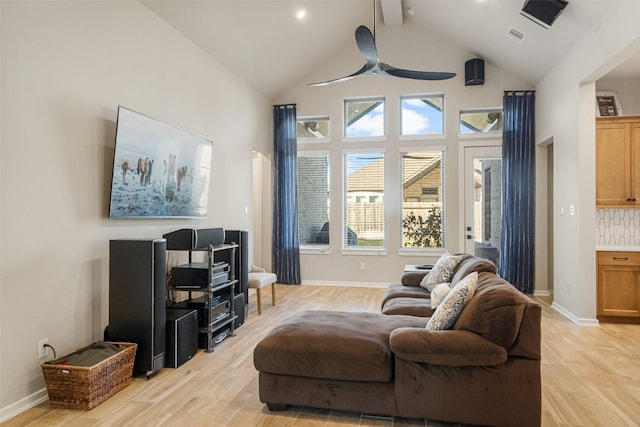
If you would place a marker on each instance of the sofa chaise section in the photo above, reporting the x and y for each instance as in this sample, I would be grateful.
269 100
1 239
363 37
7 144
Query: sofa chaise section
485 370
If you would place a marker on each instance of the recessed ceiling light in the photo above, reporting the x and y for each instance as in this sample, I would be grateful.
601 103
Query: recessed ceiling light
301 14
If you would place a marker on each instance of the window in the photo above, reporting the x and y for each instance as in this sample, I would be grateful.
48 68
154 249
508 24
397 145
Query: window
312 128
422 204
313 198
363 182
422 115
481 121
364 117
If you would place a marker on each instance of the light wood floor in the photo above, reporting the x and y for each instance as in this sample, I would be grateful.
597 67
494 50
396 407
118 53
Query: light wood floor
590 377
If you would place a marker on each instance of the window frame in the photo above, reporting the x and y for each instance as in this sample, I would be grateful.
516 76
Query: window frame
376 138
471 135
362 250
423 137
307 140
321 248
423 250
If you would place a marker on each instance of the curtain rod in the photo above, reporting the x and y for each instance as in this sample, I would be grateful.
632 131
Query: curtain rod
284 106
516 92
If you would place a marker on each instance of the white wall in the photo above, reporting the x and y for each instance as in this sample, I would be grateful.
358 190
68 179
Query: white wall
566 112
65 68
429 52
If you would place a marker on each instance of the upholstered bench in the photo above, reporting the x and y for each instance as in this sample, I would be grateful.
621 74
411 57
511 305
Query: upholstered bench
258 279
331 359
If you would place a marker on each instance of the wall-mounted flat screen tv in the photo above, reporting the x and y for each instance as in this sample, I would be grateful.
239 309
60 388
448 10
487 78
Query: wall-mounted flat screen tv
159 170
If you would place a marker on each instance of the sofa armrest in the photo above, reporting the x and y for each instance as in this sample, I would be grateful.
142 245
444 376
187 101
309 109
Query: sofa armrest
413 278
445 348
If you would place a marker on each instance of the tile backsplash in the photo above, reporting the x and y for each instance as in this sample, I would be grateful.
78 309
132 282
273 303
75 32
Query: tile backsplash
617 227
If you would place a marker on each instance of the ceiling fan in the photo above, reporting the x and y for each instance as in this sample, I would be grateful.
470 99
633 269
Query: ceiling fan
366 43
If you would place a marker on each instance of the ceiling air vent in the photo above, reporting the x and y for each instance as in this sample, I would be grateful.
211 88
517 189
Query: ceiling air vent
515 35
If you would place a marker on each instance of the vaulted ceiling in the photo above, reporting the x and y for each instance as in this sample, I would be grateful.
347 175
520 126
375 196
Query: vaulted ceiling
266 45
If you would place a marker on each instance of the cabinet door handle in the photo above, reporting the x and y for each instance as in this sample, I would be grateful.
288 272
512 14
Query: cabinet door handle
615 258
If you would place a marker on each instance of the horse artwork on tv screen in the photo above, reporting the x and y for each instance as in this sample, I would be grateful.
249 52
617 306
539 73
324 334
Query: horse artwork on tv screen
159 171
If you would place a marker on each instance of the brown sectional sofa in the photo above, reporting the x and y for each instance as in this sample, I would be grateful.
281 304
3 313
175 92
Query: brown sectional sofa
485 370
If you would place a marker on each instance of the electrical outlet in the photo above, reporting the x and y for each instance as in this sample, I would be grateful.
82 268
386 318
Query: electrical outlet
362 266
42 351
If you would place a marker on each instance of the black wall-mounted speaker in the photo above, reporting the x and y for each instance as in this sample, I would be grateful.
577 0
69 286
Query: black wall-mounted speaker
474 72
543 12
182 336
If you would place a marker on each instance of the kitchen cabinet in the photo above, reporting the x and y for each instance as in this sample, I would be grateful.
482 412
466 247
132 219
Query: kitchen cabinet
618 162
618 286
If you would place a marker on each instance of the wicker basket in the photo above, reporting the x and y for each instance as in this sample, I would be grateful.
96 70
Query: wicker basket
85 387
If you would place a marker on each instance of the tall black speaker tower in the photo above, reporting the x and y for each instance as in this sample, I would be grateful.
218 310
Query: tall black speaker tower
241 237
137 299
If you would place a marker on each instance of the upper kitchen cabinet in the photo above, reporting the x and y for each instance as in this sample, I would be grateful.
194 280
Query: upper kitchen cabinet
618 162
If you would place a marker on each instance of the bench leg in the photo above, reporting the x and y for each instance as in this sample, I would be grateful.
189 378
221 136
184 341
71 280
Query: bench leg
273 294
259 300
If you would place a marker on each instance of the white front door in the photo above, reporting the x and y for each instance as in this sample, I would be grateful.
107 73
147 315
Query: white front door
483 201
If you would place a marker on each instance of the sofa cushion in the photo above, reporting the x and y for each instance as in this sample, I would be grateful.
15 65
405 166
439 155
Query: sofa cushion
333 345
396 290
470 264
448 311
445 348
438 294
420 307
442 271
495 312
413 278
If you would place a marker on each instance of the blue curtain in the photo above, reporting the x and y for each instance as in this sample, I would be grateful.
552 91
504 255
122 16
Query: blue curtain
517 261
286 247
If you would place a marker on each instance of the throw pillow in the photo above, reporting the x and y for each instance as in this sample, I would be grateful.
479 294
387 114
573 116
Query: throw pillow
448 311
438 293
442 271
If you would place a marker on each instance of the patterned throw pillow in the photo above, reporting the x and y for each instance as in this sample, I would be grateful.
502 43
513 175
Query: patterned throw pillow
438 293
442 271
448 311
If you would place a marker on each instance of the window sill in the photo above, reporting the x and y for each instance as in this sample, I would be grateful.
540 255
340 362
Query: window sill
325 250
364 139
428 137
368 252
421 251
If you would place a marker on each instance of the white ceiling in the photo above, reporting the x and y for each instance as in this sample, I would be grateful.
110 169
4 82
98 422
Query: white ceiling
263 43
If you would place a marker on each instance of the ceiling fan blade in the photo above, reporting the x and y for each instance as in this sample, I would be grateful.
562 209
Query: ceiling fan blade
417 75
364 70
366 44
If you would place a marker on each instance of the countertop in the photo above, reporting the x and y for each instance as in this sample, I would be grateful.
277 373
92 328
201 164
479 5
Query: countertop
617 249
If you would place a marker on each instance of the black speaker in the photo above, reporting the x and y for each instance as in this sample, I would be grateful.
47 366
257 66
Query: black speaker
182 336
474 72
543 12
239 307
241 237
137 299
194 238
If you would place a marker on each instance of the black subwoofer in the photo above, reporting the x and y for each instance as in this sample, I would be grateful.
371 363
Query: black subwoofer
182 336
